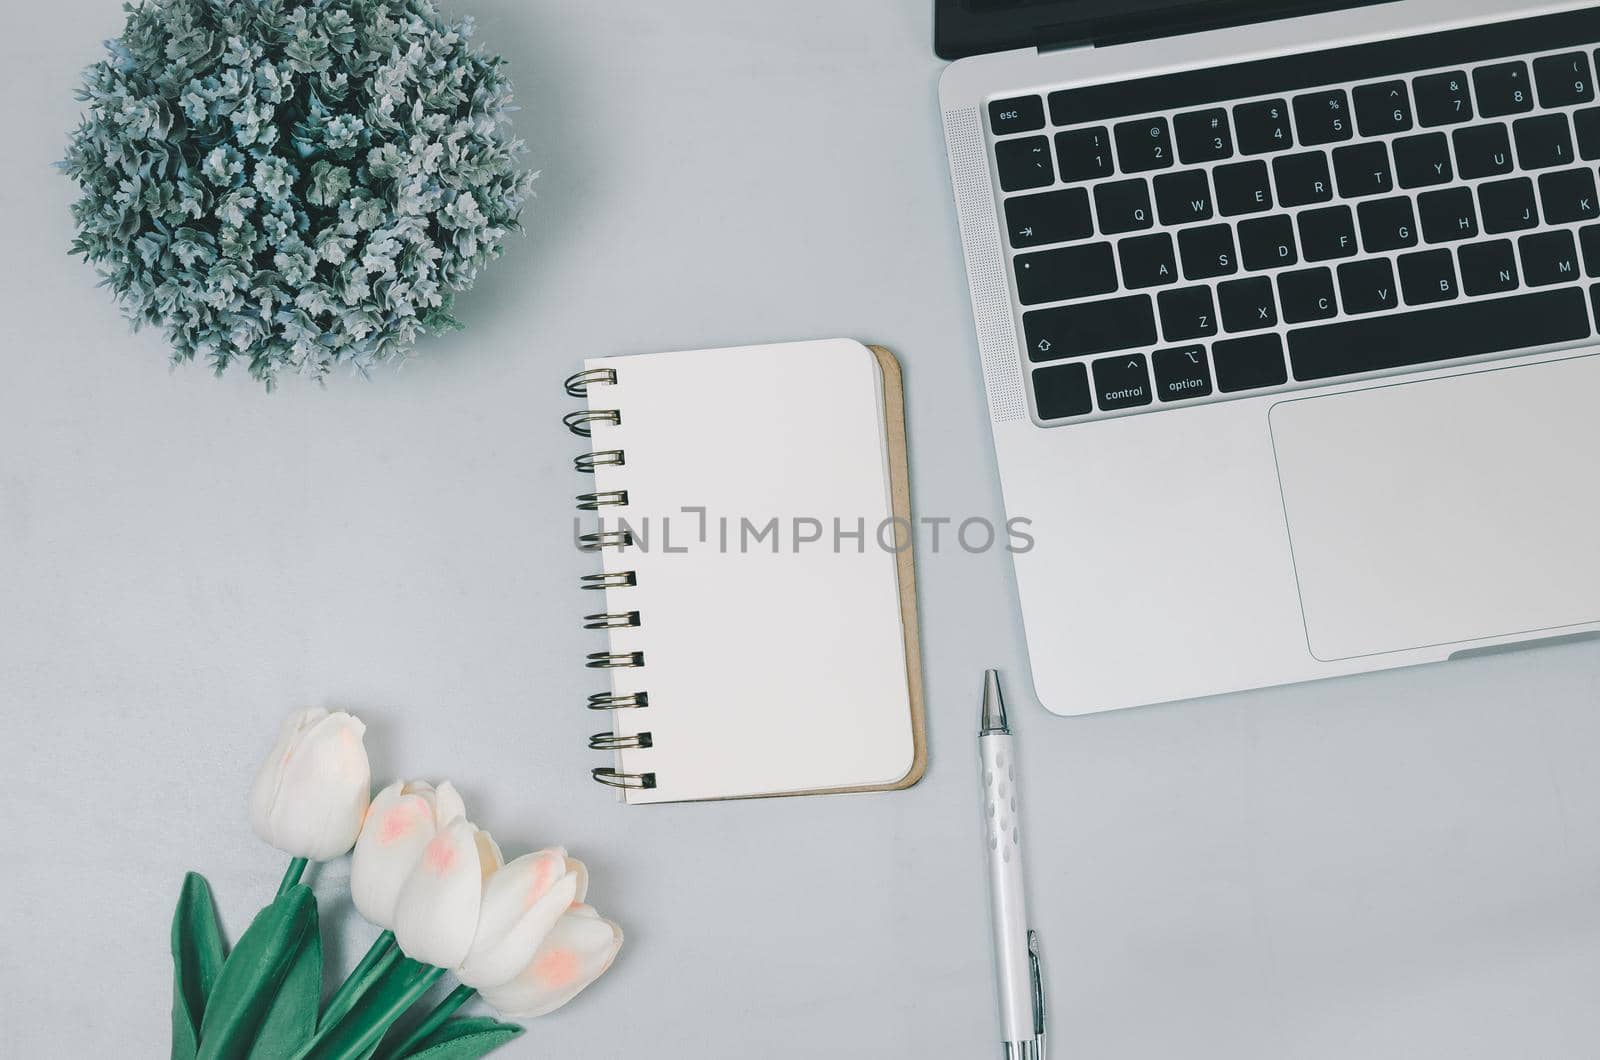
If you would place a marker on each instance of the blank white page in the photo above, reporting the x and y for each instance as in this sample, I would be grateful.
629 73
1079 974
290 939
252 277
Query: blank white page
772 665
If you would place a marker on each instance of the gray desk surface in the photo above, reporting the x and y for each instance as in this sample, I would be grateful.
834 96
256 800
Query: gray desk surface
1400 866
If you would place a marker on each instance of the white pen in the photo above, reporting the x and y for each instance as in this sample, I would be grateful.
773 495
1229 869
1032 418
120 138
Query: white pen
1016 948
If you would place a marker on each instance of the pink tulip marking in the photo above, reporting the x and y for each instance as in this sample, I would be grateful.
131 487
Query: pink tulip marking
556 969
398 823
541 882
439 855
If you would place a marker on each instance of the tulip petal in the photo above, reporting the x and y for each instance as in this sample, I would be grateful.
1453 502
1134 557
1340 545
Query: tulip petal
400 823
436 915
447 804
324 790
521 903
577 951
580 870
489 857
269 780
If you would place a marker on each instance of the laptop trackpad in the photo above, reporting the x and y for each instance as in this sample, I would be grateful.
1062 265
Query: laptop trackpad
1447 510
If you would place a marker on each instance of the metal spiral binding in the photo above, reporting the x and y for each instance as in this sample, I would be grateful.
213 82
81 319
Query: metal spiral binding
593 502
587 462
615 620
611 701
578 422
615 660
610 741
611 778
602 539
581 424
578 385
622 579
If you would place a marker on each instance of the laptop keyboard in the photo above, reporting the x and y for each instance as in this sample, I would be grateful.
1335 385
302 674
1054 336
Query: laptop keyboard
1280 223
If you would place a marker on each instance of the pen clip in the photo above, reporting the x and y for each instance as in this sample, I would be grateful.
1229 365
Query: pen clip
1037 976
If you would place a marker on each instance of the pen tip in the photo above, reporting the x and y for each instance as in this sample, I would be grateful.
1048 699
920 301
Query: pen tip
994 705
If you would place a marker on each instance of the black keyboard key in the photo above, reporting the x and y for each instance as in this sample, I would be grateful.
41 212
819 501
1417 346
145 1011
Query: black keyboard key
1062 391
1387 224
1563 80
1328 234
1242 187
1363 169
1367 286
1049 217
1123 206
1147 261
1447 215
1543 141
1249 363
1267 243
1203 136
1383 108
1183 198
1503 89
1488 268
1443 99
1144 145
1302 179
1207 252
1587 124
1122 382
1024 163
1549 257
1263 127
1182 373
1568 196
1187 314
1307 295
1483 151
1508 205
1070 272
1589 240
1322 117
1086 328
1422 336
1422 161
1023 114
1247 305
1084 154
1428 277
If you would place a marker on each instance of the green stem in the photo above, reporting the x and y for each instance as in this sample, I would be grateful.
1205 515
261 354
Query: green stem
297 869
382 953
435 1019
359 1033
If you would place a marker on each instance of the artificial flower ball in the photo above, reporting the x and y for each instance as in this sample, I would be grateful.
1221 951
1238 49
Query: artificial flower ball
293 184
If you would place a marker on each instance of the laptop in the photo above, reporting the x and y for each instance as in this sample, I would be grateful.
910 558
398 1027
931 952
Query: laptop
1287 320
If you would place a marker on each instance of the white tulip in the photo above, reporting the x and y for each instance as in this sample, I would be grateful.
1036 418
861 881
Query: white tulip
402 821
577 951
311 794
436 915
521 904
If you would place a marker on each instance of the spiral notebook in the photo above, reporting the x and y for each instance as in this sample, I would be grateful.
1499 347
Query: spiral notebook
752 525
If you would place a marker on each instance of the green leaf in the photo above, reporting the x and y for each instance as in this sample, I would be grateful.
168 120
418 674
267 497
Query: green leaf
197 957
257 967
292 1019
364 1026
464 1038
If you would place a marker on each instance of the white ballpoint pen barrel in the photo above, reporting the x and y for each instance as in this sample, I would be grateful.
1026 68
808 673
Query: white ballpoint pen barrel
1008 910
